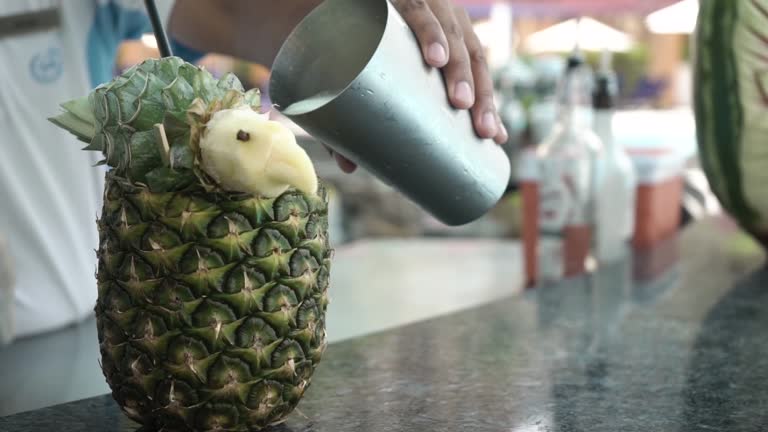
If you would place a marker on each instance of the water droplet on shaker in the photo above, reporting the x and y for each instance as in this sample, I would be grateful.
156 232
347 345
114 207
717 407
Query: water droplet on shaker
369 91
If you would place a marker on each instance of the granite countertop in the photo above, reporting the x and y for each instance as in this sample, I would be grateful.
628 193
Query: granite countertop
63 366
674 340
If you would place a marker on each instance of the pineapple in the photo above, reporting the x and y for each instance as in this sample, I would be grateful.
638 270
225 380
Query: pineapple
212 289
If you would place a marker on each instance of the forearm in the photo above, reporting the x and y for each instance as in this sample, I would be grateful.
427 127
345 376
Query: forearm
252 30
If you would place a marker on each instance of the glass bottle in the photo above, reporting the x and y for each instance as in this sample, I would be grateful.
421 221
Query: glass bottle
617 180
567 180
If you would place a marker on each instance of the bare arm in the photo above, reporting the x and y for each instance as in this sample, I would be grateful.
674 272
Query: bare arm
252 30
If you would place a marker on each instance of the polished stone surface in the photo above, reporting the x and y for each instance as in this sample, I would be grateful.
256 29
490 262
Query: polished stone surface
682 346
63 366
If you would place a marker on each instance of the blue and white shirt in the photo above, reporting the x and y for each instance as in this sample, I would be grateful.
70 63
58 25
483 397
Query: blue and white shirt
50 195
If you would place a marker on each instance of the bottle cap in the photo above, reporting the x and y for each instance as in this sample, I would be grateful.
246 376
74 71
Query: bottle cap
575 59
606 87
577 82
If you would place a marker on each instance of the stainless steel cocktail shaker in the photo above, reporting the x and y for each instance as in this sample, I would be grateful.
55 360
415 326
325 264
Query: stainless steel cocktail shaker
352 75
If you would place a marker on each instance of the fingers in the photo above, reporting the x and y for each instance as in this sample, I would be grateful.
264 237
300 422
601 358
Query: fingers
484 113
427 29
448 41
458 70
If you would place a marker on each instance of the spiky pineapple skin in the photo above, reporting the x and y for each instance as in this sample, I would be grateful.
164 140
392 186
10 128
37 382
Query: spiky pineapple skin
211 306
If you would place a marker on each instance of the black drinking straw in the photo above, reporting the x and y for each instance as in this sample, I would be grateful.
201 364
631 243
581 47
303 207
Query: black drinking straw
157 26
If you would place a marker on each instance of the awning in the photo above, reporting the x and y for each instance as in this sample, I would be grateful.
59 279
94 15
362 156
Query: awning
680 18
570 8
589 34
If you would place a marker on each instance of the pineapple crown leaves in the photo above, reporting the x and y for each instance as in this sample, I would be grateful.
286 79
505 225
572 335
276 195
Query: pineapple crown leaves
147 122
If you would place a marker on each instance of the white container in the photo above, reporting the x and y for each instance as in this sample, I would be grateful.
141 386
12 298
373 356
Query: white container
659 143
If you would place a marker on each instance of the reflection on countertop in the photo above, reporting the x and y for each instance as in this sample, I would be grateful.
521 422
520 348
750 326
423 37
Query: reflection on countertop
589 354
376 285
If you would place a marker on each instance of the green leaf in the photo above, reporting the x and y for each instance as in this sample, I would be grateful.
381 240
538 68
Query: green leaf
178 95
188 72
230 81
167 68
75 125
204 85
80 108
144 155
97 143
149 114
148 67
125 93
175 124
114 111
166 179
154 89
99 103
116 149
252 97
149 105
181 154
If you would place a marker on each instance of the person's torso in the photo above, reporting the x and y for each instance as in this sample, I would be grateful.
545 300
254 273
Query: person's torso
49 190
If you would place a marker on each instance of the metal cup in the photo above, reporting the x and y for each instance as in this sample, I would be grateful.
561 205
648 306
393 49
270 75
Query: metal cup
353 76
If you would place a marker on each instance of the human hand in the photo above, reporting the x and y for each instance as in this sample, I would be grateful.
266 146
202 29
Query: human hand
449 42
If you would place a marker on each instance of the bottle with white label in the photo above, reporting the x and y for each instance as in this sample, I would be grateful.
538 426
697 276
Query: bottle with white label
567 177
617 180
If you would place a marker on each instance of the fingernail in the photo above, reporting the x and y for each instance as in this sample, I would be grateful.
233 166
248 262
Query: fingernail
436 53
489 122
345 164
504 133
463 93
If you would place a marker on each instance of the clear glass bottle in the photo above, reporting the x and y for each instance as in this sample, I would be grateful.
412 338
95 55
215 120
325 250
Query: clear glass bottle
567 180
616 177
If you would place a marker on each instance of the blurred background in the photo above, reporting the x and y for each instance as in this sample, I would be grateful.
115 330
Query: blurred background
375 229
527 42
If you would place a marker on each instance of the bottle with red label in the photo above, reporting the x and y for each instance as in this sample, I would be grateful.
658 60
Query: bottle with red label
566 180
